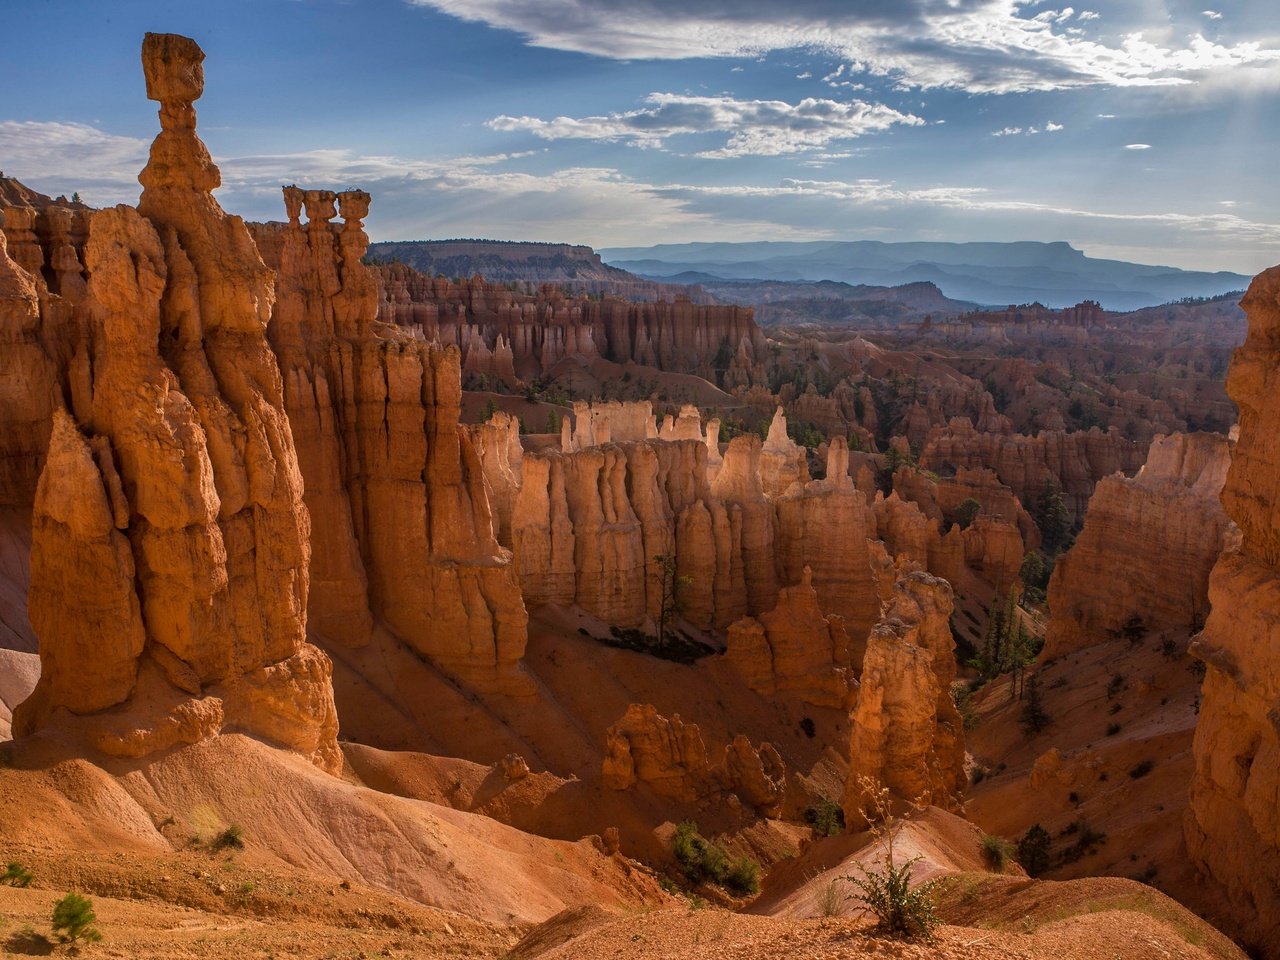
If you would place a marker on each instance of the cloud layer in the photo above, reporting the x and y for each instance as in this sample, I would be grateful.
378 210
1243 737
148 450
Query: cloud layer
491 196
758 127
982 46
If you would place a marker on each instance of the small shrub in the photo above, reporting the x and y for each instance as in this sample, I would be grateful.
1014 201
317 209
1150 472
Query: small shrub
1142 769
826 817
887 892
1113 729
686 846
997 851
231 838
1034 850
16 875
1168 648
713 862
704 861
831 900
1087 840
74 919
1134 630
743 877
806 725
1115 686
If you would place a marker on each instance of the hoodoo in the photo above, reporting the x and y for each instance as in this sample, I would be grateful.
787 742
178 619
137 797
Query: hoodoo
170 508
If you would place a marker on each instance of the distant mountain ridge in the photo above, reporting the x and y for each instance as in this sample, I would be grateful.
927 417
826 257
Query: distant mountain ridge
1055 274
572 266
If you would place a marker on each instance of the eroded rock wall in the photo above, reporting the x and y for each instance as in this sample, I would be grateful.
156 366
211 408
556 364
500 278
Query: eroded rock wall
1148 544
1233 829
406 535
510 335
1074 462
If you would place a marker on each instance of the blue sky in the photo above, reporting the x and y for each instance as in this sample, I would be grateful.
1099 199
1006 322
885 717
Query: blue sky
1139 129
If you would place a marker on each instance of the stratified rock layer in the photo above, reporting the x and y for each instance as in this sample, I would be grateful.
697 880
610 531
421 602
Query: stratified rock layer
170 542
1233 829
795 649
405 535
1143 559
506 335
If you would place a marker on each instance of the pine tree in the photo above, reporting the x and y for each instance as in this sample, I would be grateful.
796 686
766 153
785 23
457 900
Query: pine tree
1034 719
1052 517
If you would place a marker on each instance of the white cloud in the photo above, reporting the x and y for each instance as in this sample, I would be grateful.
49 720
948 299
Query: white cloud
1049 127
1212 14
65 158
881 193
756 127
984 46
1137 146
1106 116
1089 15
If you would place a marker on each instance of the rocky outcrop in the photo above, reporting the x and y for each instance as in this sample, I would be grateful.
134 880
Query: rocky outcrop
822 537
794 649
1143 559
497 444
405 534
1233 829
907 733
169 570
538 330
670 758
782 460
589 528
1074 462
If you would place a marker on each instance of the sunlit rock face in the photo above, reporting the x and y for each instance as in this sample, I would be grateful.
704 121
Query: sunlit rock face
1233 829
170 541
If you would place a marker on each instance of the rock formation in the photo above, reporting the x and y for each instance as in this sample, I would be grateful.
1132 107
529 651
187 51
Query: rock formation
169 517
510 335
405 533
907 732
589 527
782 460
794 649
1233 830
670 758
822 533
1075 462
1143 559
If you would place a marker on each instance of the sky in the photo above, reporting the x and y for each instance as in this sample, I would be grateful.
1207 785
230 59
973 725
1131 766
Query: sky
1144 130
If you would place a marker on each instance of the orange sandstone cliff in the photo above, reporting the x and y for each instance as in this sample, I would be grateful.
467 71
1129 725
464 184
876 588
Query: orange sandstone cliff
169 512
1142 561
1233 829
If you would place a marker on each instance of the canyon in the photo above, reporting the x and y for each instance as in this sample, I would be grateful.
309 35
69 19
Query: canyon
280 551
